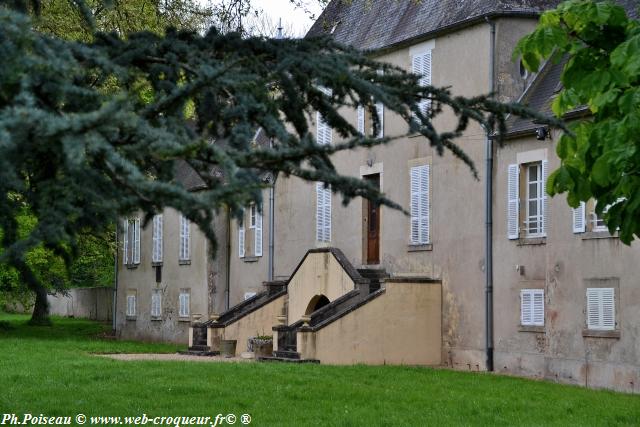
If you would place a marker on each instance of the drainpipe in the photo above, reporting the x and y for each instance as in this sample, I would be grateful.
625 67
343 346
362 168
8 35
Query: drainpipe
228 260
272 212
115 283
488 265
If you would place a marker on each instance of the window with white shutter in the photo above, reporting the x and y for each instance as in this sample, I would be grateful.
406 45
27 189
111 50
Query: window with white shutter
601 313
419 187
323 213
184 301
252 215
532 307
380 114
513 201
185 239
534 200
257 247
421 65
131 242
157 239
579 219
131 304
156 303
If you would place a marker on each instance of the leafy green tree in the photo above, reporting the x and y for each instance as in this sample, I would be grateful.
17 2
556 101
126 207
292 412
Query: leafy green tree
80 146
600 157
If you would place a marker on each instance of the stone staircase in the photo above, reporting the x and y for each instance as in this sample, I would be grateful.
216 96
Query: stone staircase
369 285
199 346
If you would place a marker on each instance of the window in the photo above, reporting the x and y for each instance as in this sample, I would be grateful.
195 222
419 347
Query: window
419 185
184 303
365 118
157 239
156 303
534 200
323 213
131 303
585 217
532 307
421 65
252 215
601 314
324 133
528 219
131 242
185 239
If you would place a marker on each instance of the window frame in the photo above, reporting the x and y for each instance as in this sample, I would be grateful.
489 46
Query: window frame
132 304
598 293
184 294
156 294
538 200
531 294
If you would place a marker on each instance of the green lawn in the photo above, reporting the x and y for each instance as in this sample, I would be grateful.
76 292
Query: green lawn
50 370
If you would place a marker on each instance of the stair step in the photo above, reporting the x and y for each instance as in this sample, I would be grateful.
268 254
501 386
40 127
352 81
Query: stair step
199 353
287 354
286 360
368 273
199 348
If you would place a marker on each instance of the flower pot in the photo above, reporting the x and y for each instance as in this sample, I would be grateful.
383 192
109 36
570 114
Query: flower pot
263 348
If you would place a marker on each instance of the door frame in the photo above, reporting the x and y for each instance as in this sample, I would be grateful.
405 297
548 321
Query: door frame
374 169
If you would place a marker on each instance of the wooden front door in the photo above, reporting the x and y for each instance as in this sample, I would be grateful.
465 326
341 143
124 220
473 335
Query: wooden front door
372 224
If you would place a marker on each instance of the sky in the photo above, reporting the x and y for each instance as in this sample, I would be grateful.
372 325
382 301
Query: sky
295 18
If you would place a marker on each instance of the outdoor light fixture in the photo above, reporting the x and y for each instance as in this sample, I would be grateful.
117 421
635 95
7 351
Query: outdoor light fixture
542 133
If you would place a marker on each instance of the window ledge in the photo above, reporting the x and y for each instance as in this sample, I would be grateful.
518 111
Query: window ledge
251 259
184 262
156 264
591 333
531 328
156 318
132 266
532 241
593 235
420 248
131 317
184 319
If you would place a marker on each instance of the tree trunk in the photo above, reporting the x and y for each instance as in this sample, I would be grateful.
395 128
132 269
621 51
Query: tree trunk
40 314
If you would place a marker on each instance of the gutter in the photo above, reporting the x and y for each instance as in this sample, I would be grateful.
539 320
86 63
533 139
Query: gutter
488 237
272 212
227 287
115 284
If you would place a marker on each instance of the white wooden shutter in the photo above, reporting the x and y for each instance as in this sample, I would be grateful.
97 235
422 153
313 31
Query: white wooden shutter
125 242
419 186
422 67
545 198
361 119
323 213
185 238
513 201
601 314
380 113
258 234
136 241
323 130
157 238
241 240
579 218
526 312
327 214
537 307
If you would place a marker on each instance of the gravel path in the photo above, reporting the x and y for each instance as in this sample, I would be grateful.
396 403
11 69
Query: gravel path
173 357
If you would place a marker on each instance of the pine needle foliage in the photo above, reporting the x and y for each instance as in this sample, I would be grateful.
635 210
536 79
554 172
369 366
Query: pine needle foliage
93 131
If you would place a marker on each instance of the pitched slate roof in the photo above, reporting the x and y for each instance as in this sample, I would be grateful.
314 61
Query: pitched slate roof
546 84
379 24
